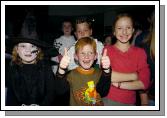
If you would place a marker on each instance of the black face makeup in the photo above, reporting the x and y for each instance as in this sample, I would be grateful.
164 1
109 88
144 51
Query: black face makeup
34 51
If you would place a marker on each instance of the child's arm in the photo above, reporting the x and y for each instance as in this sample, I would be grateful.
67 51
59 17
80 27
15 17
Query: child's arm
132 85
104 83
54 87
144 98
64 62
143 73
122 77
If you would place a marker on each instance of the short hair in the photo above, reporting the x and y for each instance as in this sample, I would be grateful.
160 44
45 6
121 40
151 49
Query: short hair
67 20
17 60
85 41
83 20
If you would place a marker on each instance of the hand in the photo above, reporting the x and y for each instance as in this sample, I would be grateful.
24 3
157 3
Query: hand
115 84
105 61
65 60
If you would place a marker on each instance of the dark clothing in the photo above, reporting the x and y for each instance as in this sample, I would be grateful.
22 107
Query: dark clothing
78 79
139 39
151 63
32 84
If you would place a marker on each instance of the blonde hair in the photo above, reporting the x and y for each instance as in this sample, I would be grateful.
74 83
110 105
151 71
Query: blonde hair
17 60
150 39
85 41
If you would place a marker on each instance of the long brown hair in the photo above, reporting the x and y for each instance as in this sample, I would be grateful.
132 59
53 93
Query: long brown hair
150 39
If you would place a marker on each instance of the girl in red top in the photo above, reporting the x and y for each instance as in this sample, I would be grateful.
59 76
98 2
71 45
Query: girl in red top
130 71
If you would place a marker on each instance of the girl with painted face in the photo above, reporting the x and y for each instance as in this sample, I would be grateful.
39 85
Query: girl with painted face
30 79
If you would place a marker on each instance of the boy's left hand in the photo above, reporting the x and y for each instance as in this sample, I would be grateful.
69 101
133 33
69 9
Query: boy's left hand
105 61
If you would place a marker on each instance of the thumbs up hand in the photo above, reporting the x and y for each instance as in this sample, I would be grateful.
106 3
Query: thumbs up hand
105 61
64 62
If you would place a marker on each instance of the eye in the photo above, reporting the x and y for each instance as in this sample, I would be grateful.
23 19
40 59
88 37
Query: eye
90 53
129 27
119 28
82 53
33 46
21 46
79 32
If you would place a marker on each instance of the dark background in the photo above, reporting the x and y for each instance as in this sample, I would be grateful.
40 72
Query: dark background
49 18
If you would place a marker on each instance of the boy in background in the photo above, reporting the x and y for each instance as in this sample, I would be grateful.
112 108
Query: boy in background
83 29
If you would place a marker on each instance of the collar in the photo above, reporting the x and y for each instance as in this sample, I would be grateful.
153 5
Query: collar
85 72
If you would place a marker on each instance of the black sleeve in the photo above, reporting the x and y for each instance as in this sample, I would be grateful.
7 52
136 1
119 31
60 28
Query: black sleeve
104 83
54 88
62 83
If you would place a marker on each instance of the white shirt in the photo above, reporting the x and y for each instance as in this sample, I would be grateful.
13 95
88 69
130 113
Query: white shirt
64 42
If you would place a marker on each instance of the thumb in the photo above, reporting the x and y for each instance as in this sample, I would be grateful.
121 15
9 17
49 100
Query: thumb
65 51
105 52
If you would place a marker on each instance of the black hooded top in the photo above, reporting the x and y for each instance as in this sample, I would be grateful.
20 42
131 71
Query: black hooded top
32 84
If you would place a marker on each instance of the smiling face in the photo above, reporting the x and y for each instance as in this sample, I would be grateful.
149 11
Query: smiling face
123 29
27 52
83 30
86 56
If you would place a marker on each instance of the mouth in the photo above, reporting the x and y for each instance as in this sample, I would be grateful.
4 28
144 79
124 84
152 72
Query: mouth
124 36
28 55
86 62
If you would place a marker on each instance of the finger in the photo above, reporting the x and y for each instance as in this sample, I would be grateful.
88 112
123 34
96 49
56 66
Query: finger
105 52
65 51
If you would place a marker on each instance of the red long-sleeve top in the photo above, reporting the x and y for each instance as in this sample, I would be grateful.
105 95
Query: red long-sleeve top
133 60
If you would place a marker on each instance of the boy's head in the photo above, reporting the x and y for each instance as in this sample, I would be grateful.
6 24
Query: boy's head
67 27
85 52
83 28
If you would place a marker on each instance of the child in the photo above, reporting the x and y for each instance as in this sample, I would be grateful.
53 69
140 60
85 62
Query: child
126 58
78 78
30 80
107 40
83 29
66 40
148 43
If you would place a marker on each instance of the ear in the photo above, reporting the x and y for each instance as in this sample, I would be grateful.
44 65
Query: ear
75 57
91 31
75 34
133 30
72 29
114 33
96 55
16 48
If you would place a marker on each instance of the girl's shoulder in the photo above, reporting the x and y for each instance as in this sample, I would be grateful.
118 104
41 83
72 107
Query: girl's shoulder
109 47
138 50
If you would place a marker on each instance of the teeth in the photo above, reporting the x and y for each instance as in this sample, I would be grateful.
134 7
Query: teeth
28 55
86 61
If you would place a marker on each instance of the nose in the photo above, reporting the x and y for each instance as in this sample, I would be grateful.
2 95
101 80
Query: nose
87 55
124 31
27 49
82 33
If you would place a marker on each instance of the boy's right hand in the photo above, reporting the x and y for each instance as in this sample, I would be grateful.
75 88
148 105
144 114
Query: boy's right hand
64 61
